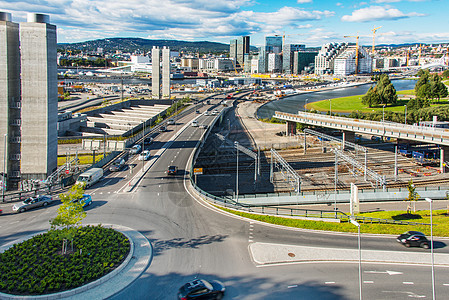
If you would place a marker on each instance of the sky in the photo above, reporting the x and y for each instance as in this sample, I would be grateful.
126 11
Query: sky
309 22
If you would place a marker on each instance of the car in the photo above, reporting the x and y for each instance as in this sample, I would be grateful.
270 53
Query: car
414 238
198 111
206 113
202 289
195 123
170 122
32 202
162 129
135 149
172 170
117 165
215 112
204 126
145 155
148 140
86 200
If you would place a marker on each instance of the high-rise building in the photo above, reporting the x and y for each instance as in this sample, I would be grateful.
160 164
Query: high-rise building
287 56
166 72
39 88
238 48
303 61
346 62
273 44
324 61
156 72
274 62
10 114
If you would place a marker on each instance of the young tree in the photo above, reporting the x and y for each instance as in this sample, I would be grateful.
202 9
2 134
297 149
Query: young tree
70 215
412 196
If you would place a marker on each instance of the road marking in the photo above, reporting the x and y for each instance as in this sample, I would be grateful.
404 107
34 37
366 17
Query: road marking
408 282
368 281
250 241
158 194
446 284
385 272
292 286
329 282
14 222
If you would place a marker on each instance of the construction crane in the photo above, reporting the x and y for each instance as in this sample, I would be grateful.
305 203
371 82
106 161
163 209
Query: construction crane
419 56
374 36
356 51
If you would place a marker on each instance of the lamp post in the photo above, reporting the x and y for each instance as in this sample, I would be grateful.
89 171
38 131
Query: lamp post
305 106
330 107
405 115
431 248
4 168
383 113
355 223
237 174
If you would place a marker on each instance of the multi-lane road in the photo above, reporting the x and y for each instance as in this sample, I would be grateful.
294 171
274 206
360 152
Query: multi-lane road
192 239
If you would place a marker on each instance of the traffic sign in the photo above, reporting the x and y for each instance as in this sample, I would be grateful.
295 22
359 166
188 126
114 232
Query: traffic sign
67 171
198 171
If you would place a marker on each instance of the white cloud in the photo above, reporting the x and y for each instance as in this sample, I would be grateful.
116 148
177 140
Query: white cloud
375 13
304 1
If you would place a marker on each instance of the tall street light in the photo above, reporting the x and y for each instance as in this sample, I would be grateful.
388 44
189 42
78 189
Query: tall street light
237 174
355 223
330 107
305 106
383 113
431 248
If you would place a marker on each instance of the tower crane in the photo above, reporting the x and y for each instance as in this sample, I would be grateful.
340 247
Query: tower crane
374 36
356 51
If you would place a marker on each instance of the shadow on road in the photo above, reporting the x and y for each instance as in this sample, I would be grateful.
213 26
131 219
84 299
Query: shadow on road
159 246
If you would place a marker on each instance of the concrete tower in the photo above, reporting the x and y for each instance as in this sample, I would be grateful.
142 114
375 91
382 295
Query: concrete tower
166 72
9 99
156 72
39 97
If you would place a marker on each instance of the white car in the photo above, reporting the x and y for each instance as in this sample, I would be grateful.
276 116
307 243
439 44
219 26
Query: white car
170 122
195 123
145 155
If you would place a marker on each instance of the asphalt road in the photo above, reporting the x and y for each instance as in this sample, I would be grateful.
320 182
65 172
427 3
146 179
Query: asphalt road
192 240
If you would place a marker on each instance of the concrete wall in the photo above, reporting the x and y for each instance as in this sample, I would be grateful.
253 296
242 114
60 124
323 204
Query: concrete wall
39 100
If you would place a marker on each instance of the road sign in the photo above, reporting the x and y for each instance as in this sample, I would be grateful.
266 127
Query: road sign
198 171
67 171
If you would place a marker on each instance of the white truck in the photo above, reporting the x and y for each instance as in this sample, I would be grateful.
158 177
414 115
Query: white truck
90 177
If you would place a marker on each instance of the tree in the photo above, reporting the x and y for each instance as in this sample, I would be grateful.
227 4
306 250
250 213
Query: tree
445 73
412 196
371 98
389 94
70 215
423 79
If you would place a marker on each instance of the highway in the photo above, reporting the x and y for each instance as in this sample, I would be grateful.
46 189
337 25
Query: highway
192 239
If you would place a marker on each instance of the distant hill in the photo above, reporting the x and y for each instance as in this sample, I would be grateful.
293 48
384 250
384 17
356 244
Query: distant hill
133 44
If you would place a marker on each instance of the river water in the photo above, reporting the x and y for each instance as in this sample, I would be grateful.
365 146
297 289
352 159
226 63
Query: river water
294 103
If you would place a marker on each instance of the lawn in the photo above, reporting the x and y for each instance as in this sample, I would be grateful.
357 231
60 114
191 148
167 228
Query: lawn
83 159
440 221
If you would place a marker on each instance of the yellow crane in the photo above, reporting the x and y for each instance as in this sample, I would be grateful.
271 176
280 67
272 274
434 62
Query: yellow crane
374 36
356 51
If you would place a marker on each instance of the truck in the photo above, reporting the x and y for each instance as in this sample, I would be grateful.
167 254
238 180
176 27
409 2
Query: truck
90 177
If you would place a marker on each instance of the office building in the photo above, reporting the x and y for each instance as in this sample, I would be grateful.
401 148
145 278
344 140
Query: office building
287 56
274 63
39 88
273 44
238 48
156 72
324 61
346 62
10 102
303 61
166 72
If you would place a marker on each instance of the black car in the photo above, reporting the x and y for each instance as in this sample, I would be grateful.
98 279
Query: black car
202 289
414 238
172 170
117 165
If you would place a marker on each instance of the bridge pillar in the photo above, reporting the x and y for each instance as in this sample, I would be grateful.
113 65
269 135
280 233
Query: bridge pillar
291 128
444 158
348 136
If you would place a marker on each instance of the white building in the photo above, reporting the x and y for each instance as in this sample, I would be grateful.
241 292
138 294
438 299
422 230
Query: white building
216 64
324 61
345 62
274 63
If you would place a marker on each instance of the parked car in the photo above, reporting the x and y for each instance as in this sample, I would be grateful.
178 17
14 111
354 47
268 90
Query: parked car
162 129
117 165
135 149
32 202
170 122
86 200
202 289
145 155
414 238
172 170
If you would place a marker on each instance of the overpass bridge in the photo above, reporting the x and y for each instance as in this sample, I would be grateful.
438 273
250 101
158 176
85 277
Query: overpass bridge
429 135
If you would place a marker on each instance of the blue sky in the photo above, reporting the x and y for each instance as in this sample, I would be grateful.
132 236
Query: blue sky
310 22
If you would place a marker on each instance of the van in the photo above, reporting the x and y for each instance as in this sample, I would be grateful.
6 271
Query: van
90 177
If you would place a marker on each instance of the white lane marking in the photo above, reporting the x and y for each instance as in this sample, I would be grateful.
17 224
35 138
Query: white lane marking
446 284
329 282
158 194
292 286
250 241
368 281
408 282
14 222
386 272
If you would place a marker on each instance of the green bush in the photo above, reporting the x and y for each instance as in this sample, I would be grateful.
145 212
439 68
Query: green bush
36 266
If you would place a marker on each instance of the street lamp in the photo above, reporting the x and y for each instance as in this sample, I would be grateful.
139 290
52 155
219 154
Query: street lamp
305 106
405 115
330 107
237 174
383 113
431 248
355 223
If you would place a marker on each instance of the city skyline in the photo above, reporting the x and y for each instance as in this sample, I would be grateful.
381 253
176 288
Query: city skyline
303 21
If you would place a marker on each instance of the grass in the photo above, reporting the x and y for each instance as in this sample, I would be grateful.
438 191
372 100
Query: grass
440 221
84 159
